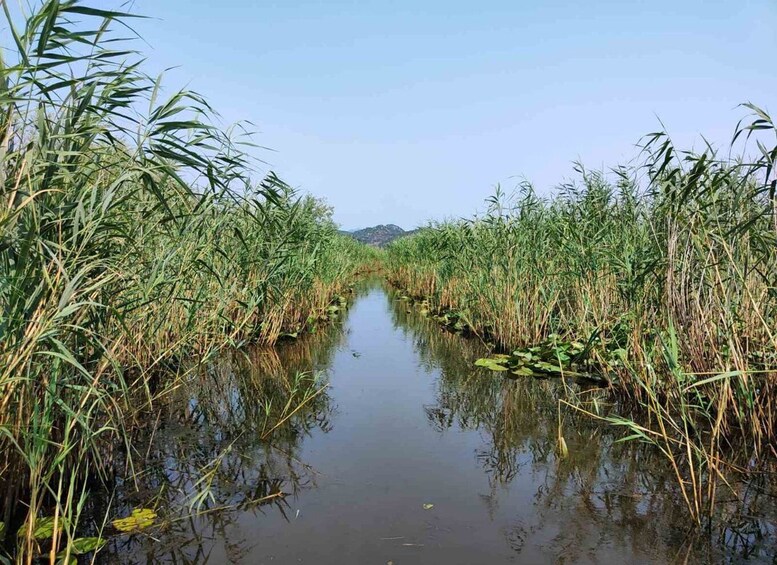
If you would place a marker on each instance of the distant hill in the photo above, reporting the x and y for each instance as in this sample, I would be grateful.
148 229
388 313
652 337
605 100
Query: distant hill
379 236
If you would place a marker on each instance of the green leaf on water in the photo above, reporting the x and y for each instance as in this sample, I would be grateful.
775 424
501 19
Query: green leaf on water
428 506
85 545
522 355
139 519
44 528
493 363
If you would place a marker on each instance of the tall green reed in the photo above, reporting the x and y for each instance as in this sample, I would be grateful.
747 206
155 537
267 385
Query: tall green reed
133 243
664 271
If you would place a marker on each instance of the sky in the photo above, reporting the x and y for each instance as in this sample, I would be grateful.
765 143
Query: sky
409 110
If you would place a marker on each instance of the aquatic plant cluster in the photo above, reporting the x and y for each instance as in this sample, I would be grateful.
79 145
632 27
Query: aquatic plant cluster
659 278
134 244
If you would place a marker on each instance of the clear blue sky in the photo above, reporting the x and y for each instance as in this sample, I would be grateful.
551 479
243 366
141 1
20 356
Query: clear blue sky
401 111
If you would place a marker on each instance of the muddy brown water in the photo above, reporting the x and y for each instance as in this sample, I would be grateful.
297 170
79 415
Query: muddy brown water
412 455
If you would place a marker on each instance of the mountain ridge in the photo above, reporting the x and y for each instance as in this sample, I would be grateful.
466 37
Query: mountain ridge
380 235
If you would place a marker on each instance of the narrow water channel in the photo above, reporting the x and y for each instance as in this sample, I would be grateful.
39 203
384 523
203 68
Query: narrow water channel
412 455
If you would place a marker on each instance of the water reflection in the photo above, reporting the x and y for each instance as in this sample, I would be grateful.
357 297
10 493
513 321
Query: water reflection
408 420
226 443
604 494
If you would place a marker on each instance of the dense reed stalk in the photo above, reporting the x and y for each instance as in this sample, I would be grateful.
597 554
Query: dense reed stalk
661 278
133 244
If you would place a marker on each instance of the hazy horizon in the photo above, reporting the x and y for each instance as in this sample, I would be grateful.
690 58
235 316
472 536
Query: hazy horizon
403 113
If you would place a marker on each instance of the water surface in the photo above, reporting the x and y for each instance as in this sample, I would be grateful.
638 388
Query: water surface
412 455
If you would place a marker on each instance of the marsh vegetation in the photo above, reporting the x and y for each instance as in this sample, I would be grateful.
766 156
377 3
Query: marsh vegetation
657 281
135 244
147 269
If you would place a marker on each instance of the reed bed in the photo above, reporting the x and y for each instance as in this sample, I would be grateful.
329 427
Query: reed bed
516 419
134 245
660 278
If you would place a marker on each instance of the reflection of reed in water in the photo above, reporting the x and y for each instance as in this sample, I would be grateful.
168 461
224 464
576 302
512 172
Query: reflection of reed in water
225 443
604 493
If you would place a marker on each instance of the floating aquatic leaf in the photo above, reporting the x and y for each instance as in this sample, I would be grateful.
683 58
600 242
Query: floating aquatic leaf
139 519
492 364
428 506
549 367
44 528
85 545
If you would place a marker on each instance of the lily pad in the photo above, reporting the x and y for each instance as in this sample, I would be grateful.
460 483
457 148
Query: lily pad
85 545
523 355
491 364
44 528
140 519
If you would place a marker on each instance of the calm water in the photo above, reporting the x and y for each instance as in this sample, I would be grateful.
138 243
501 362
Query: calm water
407 422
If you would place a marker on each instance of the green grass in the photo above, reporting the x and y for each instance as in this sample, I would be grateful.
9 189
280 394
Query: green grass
134 243
661 278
